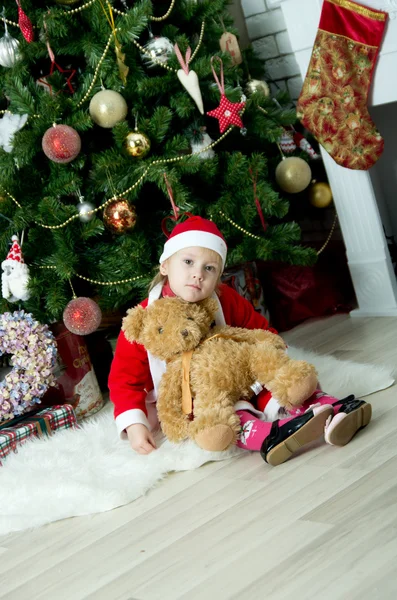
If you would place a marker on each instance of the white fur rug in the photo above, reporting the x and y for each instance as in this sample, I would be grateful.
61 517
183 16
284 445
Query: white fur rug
85 471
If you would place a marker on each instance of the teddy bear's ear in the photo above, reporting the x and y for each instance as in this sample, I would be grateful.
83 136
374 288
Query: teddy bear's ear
133 323
210 305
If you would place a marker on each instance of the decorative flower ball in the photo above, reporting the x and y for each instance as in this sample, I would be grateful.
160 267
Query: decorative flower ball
61 143
33 353
82 316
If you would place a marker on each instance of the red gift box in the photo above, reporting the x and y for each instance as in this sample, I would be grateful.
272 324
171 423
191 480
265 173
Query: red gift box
44 422
77 380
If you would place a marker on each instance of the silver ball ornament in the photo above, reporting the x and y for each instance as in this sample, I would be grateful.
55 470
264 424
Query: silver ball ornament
9 51
159 48
107 108
84 207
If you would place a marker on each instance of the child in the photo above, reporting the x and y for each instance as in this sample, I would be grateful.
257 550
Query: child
190 267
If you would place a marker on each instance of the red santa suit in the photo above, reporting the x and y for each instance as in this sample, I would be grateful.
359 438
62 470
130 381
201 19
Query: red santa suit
135 374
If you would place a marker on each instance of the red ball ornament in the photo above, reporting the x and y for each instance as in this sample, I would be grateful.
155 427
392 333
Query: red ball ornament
61 143
82 316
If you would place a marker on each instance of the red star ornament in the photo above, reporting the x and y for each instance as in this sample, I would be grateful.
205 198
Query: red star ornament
43 81
227 113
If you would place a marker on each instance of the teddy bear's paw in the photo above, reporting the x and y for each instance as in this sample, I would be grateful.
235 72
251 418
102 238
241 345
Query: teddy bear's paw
294 383
302 390
216 438
275 341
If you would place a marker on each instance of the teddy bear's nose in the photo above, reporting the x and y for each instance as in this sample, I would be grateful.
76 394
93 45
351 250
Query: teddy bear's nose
184 332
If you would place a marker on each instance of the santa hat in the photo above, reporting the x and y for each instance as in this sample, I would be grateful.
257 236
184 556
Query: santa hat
195 231
15 253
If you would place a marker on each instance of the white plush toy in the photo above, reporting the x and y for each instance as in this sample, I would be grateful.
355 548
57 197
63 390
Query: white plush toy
202 143
9 125
15 276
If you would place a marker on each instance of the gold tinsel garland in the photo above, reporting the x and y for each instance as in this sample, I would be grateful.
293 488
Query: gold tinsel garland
91 2
121 281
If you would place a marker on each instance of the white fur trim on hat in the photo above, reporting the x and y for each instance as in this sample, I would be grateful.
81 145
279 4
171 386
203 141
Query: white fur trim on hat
188 239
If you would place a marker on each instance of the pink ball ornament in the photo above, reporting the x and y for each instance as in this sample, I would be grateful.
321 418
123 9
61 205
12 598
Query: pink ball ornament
61 143
82 316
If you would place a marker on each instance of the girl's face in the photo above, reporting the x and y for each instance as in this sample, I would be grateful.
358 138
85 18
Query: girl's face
193 273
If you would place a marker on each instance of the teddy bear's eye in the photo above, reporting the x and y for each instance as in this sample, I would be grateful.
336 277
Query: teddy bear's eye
160 330
190 318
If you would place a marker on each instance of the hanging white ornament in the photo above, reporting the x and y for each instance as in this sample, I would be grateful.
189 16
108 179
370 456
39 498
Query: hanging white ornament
15 276
9 125
107 108
9 52
189 79
158 50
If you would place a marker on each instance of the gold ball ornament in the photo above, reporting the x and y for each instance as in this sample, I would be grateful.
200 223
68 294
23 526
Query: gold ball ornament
256 85
320 194
293 174
119 216
107 108
137 144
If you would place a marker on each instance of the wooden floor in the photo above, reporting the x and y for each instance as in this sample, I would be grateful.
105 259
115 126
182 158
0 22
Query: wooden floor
321 526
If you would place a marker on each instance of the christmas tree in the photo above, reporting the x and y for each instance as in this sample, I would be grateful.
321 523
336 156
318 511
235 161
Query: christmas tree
111 144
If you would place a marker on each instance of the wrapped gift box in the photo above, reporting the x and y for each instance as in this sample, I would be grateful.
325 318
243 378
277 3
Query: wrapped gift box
45 422
244 279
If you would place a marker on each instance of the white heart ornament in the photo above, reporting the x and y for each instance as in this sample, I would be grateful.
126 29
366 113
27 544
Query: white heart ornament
190 82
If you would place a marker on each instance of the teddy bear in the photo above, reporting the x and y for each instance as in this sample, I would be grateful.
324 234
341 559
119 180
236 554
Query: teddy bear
216 366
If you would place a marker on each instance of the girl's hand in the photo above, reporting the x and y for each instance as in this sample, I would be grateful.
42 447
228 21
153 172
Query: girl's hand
140 438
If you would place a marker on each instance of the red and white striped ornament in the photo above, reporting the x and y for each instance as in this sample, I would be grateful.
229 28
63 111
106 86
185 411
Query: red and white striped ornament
25 24
287 143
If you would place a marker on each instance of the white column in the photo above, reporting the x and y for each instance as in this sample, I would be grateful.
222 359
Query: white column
366 247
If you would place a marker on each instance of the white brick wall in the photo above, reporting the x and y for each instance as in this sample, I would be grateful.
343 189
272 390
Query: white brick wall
269 37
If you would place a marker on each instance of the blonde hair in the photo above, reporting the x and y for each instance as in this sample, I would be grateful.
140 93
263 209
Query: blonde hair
159 278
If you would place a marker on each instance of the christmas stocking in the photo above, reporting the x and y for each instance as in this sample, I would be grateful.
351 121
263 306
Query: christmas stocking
332 104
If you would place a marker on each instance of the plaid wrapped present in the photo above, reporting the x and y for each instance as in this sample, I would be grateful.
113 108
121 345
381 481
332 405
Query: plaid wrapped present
19 430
